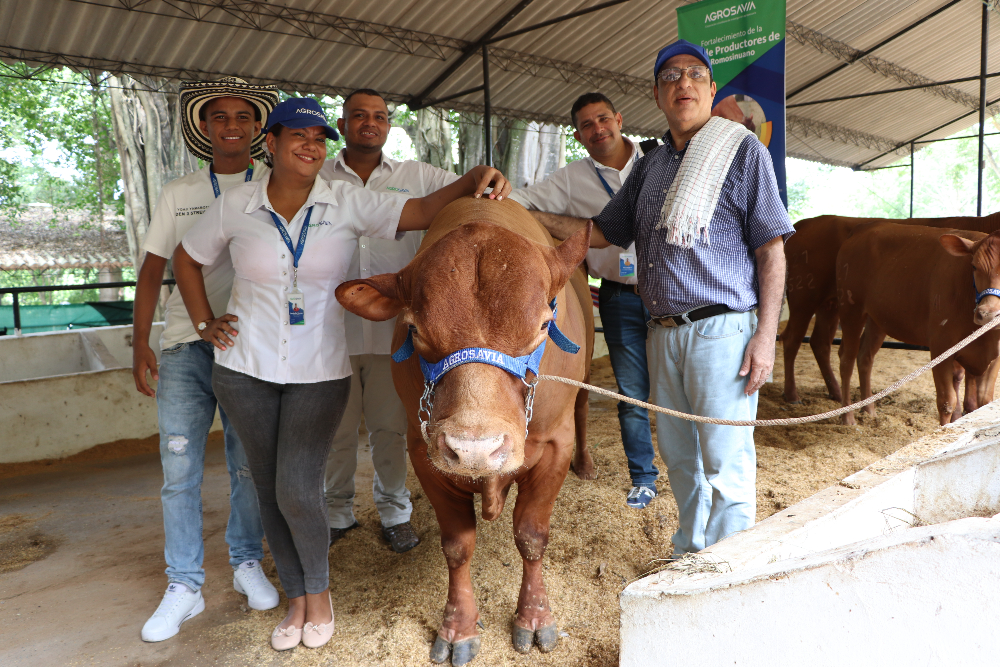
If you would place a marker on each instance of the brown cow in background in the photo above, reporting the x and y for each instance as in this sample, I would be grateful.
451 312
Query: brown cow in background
483 278
811 255
919 285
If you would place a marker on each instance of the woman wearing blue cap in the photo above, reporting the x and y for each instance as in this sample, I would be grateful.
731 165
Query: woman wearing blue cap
281 367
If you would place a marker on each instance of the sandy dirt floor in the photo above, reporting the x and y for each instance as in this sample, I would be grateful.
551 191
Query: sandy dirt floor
92 533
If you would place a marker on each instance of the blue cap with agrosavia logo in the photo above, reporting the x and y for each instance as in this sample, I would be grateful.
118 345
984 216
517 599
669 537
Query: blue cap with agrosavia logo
300 112
679 47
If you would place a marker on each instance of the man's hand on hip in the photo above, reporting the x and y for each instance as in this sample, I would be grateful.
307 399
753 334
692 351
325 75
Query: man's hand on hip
758 361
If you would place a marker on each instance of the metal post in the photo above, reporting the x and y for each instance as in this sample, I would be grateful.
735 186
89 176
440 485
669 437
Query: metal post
487 120
982 104
911 179
17 315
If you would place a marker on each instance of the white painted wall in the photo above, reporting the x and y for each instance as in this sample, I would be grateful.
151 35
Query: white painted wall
67 391
841 578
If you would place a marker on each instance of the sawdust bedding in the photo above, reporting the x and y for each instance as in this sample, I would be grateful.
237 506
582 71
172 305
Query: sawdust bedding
388 607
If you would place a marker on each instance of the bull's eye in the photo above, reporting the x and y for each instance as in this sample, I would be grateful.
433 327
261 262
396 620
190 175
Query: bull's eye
545 325
412 328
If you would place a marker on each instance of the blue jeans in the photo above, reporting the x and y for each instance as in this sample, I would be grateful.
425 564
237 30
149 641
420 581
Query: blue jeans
712 468
186 407
624 319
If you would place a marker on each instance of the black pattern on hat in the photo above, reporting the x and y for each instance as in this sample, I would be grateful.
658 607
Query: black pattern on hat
194 95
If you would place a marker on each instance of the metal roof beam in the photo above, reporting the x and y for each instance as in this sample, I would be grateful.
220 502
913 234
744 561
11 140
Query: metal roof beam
886 92
866 52
877 65
419 100
806 127
558 19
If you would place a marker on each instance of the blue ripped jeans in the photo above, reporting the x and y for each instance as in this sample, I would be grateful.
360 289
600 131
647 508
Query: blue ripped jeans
186 406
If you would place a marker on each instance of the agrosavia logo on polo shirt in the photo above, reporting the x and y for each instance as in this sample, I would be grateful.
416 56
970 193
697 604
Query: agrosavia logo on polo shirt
729 12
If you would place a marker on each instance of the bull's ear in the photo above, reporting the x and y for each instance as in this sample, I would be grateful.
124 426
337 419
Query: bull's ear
956 245
376 298
567 256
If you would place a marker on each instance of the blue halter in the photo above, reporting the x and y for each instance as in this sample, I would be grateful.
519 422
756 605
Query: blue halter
986 292
517 366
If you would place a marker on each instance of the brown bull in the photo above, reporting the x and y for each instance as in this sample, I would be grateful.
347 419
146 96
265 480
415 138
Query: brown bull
811 254
919 285
483 278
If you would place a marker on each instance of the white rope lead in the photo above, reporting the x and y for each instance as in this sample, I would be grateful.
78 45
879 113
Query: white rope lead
790 420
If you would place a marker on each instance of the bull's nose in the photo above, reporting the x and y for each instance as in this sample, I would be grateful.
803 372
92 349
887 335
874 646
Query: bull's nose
984 315
475 455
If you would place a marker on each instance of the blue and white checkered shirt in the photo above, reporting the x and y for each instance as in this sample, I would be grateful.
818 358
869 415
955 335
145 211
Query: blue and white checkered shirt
674 280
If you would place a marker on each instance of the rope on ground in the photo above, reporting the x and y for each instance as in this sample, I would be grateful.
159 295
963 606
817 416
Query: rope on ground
790 420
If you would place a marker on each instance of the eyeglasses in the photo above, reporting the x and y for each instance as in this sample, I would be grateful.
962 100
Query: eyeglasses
673 74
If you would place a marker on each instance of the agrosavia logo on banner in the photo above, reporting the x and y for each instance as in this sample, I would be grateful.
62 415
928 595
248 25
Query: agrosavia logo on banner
727 12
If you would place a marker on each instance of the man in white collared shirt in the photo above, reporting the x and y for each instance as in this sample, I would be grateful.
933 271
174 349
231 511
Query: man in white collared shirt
582 189
365 128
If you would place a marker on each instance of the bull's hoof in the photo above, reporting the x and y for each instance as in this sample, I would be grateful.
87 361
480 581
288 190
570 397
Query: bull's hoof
522 639
547 638
464 651
461 652
440 651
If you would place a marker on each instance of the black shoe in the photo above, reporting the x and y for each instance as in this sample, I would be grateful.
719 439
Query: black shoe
337 533
401 537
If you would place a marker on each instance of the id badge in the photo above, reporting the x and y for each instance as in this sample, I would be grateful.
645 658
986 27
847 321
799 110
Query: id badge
296 308
626 265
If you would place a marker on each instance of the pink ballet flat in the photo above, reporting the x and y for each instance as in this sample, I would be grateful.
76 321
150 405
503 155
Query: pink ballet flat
283 639
314 636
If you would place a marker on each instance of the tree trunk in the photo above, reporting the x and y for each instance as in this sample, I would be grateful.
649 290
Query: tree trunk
431 137
151 151
470 142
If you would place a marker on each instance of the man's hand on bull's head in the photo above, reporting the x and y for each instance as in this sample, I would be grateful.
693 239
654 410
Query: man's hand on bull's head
489 177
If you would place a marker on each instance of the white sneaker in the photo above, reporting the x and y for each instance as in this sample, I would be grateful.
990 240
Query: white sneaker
250 580
178 605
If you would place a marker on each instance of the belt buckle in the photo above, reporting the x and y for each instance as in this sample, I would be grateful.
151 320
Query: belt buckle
667 322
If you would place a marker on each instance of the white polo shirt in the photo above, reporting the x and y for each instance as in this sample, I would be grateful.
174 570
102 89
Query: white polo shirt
268 347
181 203
576 190
374 256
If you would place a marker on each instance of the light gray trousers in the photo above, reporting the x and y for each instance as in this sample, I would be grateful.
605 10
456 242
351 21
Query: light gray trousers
374 396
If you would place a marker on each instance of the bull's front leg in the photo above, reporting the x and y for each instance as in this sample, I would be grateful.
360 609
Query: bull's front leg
534 621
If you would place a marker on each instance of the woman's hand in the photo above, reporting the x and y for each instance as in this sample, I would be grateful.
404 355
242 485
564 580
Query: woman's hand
218 331
485 177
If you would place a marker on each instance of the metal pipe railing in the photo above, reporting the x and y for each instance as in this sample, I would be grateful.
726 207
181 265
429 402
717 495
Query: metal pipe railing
16 291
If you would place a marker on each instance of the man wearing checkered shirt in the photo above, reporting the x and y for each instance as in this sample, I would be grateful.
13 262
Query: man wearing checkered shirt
701 279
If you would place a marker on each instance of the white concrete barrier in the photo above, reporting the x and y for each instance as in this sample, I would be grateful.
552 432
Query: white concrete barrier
844 577
66 391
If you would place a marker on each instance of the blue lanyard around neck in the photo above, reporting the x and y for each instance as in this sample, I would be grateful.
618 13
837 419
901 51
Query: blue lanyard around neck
611 193
296 251
215 181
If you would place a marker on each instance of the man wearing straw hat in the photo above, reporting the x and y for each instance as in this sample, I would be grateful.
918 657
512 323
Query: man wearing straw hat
709 228
222 123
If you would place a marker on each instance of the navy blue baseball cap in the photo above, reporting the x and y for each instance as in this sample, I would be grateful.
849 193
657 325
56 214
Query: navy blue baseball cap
300 112
676 49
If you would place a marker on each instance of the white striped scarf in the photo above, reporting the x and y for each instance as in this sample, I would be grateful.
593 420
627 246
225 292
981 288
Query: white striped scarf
692 196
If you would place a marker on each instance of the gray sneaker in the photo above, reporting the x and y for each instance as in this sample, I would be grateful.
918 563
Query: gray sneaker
639 496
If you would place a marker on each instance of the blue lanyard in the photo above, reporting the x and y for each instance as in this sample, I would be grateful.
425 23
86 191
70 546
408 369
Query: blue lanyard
611 193
215 181
296 251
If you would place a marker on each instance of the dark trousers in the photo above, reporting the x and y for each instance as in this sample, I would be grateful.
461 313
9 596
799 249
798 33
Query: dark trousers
624 319
286 431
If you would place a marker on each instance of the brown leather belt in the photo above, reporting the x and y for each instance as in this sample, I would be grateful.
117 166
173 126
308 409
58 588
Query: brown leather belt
691 316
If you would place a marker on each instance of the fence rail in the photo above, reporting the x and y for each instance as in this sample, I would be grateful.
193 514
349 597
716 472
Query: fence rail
16 291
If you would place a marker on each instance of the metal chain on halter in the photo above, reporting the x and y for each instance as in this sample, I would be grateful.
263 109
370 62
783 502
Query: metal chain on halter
427 407
791 420
529 403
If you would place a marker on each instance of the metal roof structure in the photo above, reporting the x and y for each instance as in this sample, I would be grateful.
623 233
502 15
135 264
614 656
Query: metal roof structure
542 54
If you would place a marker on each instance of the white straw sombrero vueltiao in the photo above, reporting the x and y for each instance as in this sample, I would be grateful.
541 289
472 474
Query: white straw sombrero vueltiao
195 94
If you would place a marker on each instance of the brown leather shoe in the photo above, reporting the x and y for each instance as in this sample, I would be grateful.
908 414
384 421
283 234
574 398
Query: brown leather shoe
337 533
401 537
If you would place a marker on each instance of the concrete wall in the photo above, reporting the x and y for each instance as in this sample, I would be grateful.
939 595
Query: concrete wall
67 391
842 577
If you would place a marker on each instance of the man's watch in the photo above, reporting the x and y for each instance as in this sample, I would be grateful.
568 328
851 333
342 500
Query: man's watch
203 325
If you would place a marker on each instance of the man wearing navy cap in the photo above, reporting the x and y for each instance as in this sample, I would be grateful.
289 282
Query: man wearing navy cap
709 227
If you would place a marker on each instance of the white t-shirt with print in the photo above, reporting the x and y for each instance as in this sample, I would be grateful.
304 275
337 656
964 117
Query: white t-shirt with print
181 203
268 346
374 256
